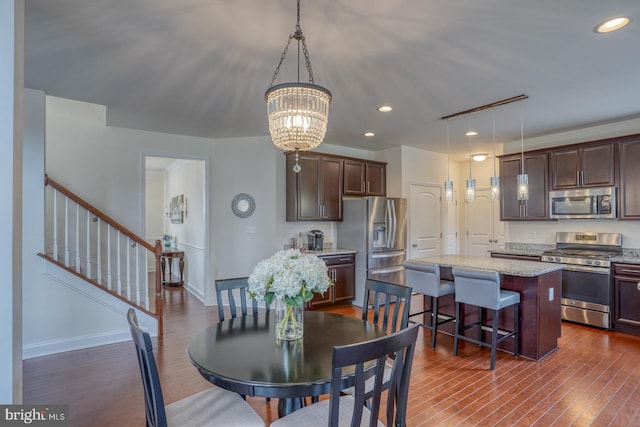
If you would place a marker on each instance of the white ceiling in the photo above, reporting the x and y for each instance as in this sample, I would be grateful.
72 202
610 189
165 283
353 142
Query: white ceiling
201 67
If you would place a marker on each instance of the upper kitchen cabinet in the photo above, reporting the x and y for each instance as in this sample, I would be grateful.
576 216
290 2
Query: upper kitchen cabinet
314 193
629 178
536 166
584 166
364 178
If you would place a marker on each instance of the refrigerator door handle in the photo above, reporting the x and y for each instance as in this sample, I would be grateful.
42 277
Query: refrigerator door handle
387 220
386 270
394 225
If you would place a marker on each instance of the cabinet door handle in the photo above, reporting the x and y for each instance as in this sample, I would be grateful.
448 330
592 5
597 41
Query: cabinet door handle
628 270
578 178
368 186
638 286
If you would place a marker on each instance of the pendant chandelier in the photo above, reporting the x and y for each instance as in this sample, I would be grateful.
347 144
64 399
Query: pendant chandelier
494 181
523 178
448 184
470 194
297 112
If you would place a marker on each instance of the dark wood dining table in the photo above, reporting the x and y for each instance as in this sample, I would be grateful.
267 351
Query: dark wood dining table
243 355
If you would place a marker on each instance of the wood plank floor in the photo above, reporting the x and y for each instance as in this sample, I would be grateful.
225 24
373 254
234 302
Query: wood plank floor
593 380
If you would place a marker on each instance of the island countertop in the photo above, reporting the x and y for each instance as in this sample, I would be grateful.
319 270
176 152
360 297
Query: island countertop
502 266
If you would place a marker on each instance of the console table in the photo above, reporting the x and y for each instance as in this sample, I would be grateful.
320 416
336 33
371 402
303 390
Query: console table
168 255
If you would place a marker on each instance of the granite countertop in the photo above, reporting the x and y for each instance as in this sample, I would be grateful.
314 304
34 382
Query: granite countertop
337 251
502 266
528 249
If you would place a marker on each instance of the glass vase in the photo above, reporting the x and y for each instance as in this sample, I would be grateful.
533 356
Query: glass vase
289 321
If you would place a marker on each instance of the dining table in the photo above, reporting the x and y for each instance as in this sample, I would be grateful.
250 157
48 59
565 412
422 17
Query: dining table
242 355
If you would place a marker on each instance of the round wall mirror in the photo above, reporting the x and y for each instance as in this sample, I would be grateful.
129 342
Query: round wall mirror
243 205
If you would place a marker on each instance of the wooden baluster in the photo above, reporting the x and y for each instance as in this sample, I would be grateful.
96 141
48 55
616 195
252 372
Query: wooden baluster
66 232
88 274
128 278
109 282
118 263
98 252
78 238
137 283
55 224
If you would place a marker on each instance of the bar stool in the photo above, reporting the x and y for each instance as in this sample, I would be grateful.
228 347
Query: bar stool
481 288
425 279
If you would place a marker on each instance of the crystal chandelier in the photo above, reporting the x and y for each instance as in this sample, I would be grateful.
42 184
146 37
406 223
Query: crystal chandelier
297 112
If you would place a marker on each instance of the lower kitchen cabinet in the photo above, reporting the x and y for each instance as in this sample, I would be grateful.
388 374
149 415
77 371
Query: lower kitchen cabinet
342 271
626 302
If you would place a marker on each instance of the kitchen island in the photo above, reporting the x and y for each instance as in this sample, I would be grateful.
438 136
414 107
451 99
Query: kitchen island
539 285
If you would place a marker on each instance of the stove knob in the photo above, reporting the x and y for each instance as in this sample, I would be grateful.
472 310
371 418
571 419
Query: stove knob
589 262
550 258
597 263
558 259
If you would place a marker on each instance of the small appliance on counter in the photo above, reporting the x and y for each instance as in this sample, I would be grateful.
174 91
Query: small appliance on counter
315 240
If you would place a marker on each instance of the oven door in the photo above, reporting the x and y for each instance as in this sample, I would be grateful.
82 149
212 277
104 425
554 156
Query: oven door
586 295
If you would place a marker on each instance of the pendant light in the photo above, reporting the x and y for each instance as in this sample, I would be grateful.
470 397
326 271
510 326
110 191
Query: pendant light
470 194
523 178
495 179
297 112
448 184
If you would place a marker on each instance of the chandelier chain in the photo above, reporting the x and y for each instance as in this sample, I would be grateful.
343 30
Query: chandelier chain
299 36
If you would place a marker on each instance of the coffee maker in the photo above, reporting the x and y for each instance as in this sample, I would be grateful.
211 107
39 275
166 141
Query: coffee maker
315 240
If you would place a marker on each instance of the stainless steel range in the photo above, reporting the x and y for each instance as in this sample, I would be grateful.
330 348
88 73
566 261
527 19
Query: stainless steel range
586 279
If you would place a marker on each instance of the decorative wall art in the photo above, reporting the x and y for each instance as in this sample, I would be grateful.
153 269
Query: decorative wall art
177 209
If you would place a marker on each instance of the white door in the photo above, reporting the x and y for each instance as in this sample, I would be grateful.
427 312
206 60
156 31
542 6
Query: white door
425 229
485 231
450 226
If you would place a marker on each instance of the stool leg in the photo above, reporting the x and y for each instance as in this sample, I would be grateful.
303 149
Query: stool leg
494 339
457 329
516 324
434 320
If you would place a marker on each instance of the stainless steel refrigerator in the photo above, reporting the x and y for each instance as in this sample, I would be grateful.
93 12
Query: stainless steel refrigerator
377 228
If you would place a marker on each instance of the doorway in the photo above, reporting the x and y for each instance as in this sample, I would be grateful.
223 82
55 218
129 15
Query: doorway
175 201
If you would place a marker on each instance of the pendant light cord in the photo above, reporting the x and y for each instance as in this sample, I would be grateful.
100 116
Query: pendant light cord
494 142
448 152
521 140
469 139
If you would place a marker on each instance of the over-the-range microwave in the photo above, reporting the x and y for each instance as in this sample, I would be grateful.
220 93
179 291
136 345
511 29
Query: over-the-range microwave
583 203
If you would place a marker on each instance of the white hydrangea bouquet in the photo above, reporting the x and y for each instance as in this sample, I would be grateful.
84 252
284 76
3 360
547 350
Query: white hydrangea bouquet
290 277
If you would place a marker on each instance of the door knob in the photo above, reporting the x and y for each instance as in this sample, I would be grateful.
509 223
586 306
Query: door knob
414 245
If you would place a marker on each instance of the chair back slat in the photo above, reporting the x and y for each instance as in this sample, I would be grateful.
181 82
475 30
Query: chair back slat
395 299
153 399
230 287
401 347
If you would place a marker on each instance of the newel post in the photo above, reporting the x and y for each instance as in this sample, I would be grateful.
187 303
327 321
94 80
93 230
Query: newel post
159 299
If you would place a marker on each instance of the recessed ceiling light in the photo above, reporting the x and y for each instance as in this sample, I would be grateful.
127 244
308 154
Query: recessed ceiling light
480 157
369 134
471 133
612 25
385 108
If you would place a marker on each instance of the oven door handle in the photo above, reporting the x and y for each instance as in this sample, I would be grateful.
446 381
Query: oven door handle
586 269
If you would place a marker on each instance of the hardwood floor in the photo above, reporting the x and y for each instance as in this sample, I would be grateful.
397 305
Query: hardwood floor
594 379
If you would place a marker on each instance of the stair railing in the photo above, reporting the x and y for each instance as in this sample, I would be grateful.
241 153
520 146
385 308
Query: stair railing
88 243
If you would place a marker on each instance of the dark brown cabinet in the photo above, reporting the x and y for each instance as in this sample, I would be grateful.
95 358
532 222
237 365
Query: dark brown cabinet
629 179
536 167
342 271
314 193
626 303
582 167
364 178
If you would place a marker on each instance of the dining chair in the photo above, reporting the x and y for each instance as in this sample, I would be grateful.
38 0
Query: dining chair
239 284
228 286
481 288
389 304
343 410
212 407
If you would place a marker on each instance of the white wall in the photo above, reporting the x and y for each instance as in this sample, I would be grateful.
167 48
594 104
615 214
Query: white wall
186 177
